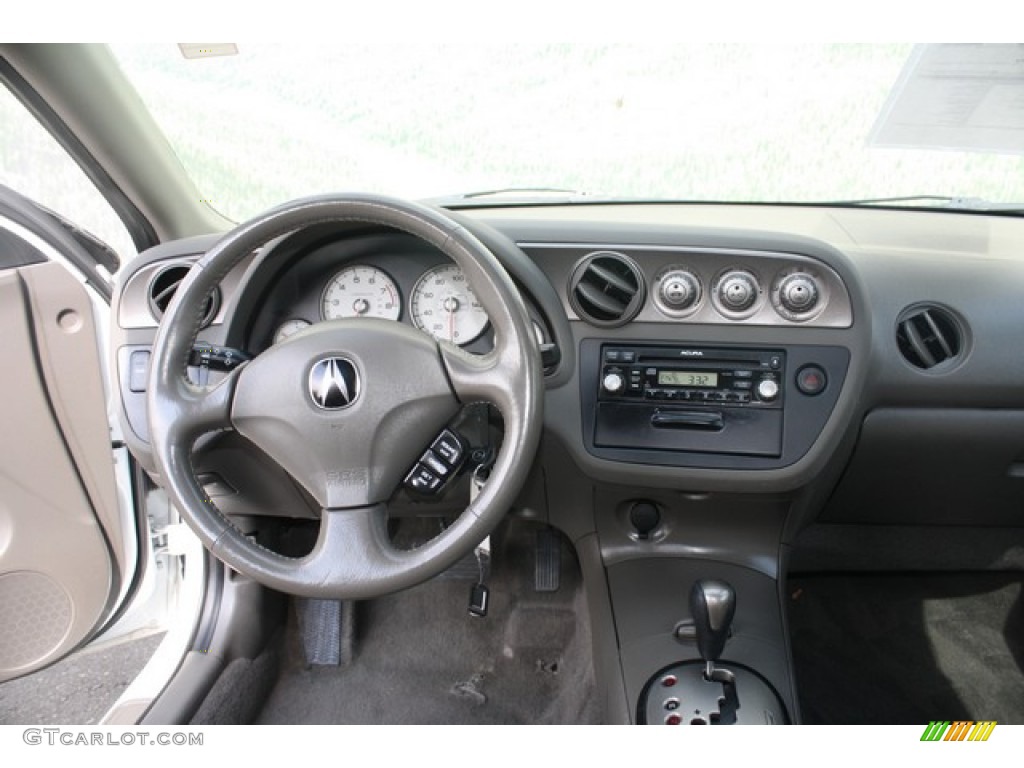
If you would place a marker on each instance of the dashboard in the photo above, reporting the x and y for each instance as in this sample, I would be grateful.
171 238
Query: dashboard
703 350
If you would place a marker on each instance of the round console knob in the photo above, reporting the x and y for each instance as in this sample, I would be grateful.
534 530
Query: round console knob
798 293
678 290
613 382
737 291
768 389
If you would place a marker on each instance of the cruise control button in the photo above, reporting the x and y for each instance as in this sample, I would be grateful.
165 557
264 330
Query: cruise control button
449 448
422 480
437 466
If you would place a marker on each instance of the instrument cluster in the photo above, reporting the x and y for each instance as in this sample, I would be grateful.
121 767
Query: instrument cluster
440 302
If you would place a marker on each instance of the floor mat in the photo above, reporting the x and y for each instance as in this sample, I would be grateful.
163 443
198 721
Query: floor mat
908 649
421 658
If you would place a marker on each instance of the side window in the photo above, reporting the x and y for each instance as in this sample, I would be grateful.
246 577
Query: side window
33 164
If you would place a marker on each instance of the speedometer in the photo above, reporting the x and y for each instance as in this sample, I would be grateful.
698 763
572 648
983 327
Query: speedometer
443 305
361 291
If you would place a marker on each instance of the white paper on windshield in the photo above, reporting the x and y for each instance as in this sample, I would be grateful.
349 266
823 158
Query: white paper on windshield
956 96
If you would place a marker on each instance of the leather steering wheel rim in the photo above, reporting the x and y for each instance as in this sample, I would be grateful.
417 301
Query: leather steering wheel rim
352 558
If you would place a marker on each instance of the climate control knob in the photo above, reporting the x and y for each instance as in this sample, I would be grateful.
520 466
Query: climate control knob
678 291
736 291
613 382
798 293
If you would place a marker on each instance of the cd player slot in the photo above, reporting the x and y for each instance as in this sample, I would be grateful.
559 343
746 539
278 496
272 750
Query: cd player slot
709 420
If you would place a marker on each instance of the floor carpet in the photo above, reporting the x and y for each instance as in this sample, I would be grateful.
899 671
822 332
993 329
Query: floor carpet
908 649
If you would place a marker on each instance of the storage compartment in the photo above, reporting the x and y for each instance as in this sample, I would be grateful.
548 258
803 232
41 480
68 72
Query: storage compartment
934 467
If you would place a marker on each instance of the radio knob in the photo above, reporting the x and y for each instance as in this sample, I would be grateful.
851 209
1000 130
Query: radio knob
767 389
614 383
798 293
737 291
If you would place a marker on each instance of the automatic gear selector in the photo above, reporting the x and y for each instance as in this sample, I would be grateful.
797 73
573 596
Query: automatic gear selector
706 692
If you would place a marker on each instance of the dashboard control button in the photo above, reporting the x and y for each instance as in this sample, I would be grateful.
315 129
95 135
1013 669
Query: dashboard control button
736 292
767 389
613 382
798 293
677 292
422 480
438 467
811 380
612 356
449 448
138 370
745 374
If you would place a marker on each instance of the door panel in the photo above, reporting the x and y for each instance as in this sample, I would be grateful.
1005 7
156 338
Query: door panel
62 545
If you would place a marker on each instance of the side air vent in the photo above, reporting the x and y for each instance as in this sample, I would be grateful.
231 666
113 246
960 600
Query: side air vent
165 285
606 289
929 336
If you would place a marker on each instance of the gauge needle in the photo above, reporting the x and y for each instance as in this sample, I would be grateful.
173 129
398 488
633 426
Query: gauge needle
451 321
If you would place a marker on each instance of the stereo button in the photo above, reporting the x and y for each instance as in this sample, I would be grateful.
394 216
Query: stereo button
767 389
613 383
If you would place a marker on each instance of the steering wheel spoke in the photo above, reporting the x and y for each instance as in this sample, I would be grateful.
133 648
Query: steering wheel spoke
476 378
195 411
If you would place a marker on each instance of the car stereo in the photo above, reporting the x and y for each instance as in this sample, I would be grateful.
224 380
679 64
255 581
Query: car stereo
737 377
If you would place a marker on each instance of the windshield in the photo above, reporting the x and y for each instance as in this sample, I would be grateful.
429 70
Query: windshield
698 123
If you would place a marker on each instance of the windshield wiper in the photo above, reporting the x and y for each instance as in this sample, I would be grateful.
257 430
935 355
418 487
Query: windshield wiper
940 201
517 195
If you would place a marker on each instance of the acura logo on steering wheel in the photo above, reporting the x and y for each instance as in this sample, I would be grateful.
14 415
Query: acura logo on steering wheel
334 383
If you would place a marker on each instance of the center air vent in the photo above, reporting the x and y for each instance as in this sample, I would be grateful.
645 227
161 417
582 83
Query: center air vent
165 285
606 289
929 336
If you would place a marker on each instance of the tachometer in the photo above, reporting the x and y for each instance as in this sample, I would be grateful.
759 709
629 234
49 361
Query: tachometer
361 291
443 305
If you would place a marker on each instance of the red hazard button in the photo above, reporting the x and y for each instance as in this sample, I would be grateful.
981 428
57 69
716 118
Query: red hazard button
811 380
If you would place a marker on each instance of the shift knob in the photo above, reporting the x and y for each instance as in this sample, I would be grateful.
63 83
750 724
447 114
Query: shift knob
712 605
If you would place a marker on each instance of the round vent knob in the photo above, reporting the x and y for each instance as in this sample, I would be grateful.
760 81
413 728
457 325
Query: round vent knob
736 291
678 291
798 293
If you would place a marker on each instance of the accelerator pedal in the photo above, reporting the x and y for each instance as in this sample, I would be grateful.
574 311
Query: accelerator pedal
547 572
328 631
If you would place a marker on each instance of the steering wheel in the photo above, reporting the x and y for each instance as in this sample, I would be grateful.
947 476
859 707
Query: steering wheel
346 407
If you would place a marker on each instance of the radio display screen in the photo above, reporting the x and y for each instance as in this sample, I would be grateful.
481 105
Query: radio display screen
687 379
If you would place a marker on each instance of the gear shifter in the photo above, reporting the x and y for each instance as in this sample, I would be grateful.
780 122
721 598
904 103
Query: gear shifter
712 605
